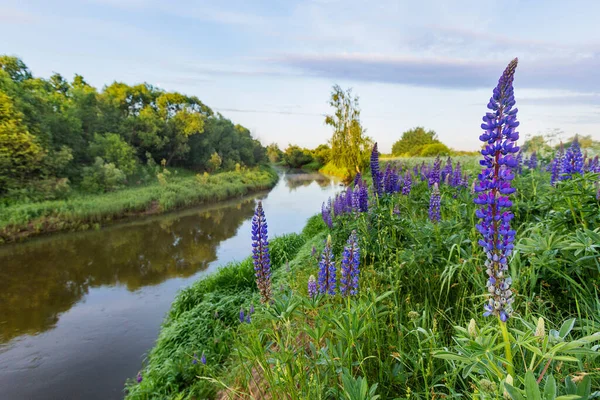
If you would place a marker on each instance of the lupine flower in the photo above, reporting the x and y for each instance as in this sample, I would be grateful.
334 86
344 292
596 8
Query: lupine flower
313 251
326 214
248 320
360 200
242 315
350 267
139 377
327 270
312 286
557 165
533 161
434 204
573 161
203 359
592 165
251 310
465 180
457 176
598 191
260 254
435 173
357 179
396 210
195 359
519 168
447 171
493 192
375 172
407 184
349 197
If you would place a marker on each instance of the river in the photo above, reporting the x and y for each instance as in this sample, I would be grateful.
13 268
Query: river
79 311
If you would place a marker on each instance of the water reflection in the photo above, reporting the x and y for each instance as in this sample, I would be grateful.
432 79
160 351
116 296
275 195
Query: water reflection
296 178
43 278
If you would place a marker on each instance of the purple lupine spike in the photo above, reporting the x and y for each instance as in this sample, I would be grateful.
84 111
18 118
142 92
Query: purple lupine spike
388 182
494 189
348 199
416 171
533 161
312 286
139 377
447 171
326 214
242 315
327 270
195 359
251 310
397 181
434 204
457 176
357 178
203 359
573 161
407 184
557 165
248 319
260 254
425 170
350 267
519 167
375 172
360 200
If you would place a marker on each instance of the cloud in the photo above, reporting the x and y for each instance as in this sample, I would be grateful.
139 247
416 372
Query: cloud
579 74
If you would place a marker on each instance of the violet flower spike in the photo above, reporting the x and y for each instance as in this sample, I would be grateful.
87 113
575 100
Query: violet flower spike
375 172
242 315
350 267
434 204
327 279
312 286
493 188
260 254
203 359
139 377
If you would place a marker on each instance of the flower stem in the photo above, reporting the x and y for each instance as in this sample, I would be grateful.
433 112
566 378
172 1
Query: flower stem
507 350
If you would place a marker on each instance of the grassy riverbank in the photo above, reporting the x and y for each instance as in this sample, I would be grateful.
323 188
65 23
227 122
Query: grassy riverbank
404 335
80 212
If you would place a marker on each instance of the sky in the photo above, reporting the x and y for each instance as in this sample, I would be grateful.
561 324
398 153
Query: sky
270 65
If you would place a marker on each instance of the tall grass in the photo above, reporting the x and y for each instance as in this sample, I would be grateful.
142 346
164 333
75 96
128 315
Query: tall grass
85 211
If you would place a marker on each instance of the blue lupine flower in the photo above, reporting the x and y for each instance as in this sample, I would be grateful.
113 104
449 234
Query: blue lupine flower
349 197
248 320
350 267
533 161
457 176
519 167
434 204
375 172
260 254
357 179
195 359
447 171
139 377
493 190
407 184
557 165
435 173
573 161
242 319
327 270
312 286
326 214
251 310
203 359
360 200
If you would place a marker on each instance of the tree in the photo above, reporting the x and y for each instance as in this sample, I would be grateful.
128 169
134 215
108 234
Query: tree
215 161
295 157
413 140
350 146
536 143
20 155
113 149
435 149
274 153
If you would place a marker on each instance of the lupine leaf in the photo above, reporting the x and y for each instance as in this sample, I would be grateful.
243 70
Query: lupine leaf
532 390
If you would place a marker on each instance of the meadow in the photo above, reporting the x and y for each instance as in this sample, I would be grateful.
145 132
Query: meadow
80 211
424 279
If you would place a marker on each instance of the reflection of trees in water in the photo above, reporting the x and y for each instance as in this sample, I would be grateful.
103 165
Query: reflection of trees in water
296 180
40 279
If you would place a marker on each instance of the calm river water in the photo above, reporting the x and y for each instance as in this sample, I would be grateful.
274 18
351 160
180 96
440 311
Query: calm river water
78 311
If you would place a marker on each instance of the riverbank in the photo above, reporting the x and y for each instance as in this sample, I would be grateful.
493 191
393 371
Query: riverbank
403 333
83 212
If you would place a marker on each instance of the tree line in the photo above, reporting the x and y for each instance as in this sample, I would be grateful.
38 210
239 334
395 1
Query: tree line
55 133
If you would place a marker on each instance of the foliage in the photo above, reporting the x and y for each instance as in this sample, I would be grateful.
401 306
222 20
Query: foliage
413 140
52 129
435 149
296 157
350 146
102 177
84 211
274 153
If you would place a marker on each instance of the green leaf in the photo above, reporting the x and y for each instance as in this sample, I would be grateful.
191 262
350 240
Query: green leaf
585 387
566 327
550 388
514 393
532 390
570 385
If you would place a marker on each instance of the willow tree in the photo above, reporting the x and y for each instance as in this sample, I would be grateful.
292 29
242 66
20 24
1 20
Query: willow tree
349 145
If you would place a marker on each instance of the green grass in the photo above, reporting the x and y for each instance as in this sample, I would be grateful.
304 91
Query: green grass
330 169
405 335
86 211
